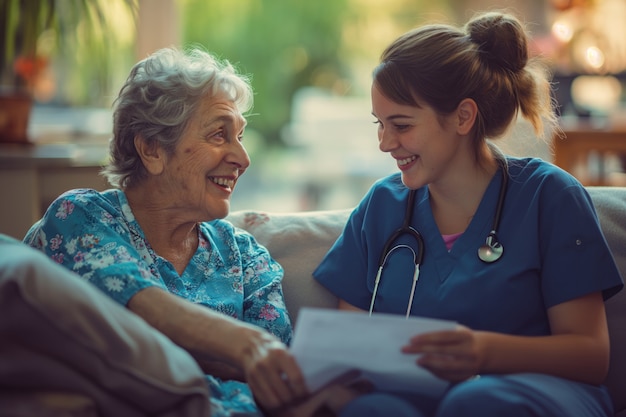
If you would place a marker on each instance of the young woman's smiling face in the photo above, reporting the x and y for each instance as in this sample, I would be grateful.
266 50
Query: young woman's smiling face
202 172
423 143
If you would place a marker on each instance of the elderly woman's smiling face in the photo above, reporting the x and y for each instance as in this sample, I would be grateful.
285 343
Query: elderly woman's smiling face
199 177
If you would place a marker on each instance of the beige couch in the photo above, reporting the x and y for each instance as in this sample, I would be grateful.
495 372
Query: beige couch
120 366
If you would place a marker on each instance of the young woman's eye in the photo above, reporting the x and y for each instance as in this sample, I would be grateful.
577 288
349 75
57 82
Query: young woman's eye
401 127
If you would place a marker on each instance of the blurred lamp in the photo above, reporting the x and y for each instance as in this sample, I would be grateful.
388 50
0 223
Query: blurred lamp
597 93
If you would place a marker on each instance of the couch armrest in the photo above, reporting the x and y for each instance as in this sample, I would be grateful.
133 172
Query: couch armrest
44 403
610 203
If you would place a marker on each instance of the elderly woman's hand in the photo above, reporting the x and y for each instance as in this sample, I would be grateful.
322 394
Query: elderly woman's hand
328 400
270 370
278 384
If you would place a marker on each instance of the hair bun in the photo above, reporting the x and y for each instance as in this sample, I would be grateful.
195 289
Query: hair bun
501 39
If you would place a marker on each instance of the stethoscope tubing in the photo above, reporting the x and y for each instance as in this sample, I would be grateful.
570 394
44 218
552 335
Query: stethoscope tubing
490 252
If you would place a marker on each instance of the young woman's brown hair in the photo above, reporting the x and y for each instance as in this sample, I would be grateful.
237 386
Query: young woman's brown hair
487 61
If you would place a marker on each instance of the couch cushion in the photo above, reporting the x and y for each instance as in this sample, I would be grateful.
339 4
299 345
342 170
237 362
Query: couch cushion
62 334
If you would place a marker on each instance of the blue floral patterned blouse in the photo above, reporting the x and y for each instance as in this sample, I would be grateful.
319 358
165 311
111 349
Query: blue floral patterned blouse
95 235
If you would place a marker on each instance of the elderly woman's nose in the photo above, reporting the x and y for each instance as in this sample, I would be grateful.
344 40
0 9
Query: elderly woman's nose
240 154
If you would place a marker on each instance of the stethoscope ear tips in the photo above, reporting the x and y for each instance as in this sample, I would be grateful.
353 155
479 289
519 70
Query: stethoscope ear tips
492 250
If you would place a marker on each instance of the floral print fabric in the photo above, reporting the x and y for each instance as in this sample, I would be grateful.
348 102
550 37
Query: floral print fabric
95 235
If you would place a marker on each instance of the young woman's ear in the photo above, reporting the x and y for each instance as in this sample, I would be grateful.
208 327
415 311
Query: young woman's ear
152 156
467 111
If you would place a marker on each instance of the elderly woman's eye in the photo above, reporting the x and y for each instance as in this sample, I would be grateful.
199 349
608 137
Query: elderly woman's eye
217 135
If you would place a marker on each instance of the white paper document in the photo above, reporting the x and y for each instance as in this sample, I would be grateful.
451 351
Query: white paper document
328 343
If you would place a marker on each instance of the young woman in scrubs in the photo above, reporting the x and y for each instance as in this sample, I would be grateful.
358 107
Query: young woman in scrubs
532 338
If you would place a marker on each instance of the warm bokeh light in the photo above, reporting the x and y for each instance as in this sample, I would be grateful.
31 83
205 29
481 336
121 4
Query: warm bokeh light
596 92
593 35
595 57
563 30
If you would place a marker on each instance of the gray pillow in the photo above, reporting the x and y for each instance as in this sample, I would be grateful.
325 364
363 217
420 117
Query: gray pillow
60 333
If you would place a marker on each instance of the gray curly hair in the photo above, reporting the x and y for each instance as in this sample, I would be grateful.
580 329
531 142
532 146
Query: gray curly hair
157 100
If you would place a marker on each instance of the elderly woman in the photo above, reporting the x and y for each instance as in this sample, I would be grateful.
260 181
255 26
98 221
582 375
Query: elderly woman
156 244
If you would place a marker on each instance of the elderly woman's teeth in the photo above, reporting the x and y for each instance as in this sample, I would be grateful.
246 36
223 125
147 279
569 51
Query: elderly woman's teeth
224 182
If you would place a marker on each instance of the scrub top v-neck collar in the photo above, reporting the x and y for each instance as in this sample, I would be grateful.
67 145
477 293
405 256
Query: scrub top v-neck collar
468 243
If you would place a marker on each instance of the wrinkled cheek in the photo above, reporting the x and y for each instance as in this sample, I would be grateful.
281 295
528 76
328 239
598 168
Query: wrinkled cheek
184 186
187 176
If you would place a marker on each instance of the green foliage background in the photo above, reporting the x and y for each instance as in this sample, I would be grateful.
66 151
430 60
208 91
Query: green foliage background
285 45
281 44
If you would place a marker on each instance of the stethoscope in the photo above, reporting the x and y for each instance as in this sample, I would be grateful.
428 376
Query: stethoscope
489 252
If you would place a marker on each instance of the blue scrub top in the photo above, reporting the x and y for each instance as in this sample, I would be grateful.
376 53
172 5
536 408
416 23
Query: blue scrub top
554 251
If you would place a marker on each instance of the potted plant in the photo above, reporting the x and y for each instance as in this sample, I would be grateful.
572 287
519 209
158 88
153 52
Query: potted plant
23 24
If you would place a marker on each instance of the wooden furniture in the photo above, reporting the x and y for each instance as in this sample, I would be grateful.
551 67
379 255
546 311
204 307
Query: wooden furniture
585 152
31 176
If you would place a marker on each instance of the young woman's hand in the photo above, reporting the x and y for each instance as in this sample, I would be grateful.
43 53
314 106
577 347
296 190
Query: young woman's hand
453 355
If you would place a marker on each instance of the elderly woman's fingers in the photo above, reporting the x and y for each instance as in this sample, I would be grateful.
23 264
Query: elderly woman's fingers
277 380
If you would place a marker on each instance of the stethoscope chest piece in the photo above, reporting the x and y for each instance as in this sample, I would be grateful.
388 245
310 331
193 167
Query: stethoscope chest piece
492 250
